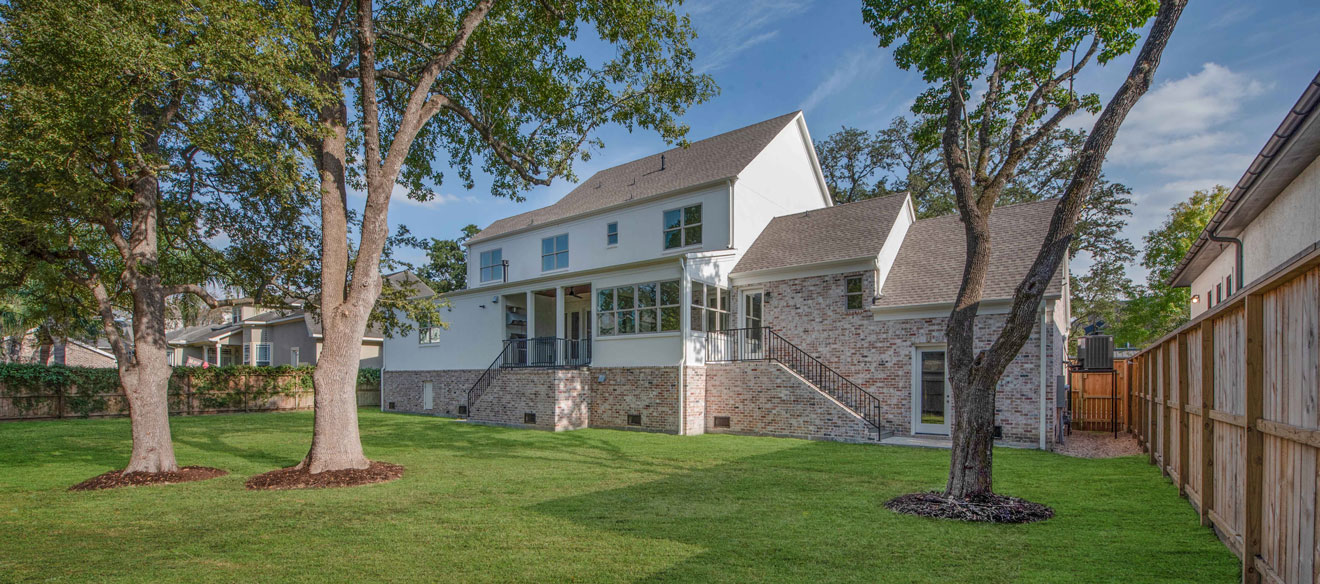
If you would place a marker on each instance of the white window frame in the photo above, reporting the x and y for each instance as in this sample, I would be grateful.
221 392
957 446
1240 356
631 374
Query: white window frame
259 361
295 356
704 315
918 427
860 294
428 335
247 354
612 233
682 228
555 252
496 269
612 312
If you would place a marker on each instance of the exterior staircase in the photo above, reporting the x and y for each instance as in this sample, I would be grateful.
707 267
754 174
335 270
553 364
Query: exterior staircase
538 353
764 344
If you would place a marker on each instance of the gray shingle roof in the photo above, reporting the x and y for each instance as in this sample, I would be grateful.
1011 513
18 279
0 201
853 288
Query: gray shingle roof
929 266
704 161
840 232
198 333
313 323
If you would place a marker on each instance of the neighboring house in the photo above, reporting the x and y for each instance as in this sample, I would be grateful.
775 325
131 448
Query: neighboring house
1271 216
249 334
70 352
715 289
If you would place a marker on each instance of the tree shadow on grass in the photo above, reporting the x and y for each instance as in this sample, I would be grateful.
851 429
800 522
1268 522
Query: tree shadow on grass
814 513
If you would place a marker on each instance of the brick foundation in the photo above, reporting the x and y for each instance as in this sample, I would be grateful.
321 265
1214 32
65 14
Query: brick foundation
651 392
768 399
449 390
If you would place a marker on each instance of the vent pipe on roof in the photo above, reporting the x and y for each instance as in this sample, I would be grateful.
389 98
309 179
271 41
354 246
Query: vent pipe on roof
662 162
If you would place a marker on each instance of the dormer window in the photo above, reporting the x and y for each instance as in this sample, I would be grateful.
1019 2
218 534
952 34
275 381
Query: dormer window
682 227
492 265
554 253
236 314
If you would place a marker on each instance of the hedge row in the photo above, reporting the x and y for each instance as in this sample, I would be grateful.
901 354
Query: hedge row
84 391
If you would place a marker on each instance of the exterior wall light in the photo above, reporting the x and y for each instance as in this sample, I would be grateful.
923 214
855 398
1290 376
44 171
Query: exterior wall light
1196 298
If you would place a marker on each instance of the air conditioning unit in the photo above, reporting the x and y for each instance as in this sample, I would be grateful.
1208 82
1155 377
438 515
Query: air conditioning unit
1096 353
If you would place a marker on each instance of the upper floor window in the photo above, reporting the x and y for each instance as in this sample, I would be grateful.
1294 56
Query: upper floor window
1219 293
236 314
1228 284
683 227
554 253
492 265
612 234
852 293
263 355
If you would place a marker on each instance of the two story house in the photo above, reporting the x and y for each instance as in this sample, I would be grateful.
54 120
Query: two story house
715 288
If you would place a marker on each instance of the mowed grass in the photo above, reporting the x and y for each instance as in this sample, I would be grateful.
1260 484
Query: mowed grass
484 504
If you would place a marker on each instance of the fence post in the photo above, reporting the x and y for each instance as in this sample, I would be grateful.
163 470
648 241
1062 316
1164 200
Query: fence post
1255 357
1183 392
1207 424
1166 419
1151 425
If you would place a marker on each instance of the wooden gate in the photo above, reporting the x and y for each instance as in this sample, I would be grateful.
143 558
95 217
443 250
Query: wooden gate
1095 396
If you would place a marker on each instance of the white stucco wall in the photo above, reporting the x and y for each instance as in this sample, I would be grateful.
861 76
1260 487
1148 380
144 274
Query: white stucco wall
640 237
1289 224
781 180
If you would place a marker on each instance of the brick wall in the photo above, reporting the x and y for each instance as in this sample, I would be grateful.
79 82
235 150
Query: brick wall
877 355
561 399
768 399
449 390
649 391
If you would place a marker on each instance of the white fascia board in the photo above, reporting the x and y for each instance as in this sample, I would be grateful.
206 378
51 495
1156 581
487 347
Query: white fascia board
894 242
603 210
804 271
542 282
938 309
815 162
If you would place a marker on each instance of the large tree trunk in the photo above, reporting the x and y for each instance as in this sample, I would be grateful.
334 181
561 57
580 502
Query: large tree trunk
336 442
973 440
146 384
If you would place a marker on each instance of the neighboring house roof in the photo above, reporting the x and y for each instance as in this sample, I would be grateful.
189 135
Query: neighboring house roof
704 161
374 332
200 333
837 233
1293 146
272 316
415 285
929 266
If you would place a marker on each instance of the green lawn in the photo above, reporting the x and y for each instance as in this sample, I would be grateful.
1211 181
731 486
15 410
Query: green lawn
482 504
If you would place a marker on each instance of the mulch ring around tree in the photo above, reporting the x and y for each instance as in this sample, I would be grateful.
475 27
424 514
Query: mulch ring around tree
118 478
299 478
986 508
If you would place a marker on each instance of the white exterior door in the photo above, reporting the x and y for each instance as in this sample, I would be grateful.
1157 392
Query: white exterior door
932 400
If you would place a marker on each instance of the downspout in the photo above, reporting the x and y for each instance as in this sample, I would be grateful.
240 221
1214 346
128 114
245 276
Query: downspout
382 378
1044 362
1238 243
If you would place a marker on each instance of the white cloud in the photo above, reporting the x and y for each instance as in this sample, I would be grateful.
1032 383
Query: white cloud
728 28
399 196
850 69
1183 129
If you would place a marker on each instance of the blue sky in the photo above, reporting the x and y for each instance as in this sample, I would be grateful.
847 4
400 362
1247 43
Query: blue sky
1229 75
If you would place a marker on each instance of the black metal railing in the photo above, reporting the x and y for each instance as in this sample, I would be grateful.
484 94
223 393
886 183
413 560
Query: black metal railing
764 344
544 352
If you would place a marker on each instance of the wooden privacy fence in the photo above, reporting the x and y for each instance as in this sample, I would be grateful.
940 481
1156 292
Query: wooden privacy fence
1095 395
1227 407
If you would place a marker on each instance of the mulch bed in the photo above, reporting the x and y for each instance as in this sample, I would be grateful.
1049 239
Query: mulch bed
299 478
118 478
1084 444
990 508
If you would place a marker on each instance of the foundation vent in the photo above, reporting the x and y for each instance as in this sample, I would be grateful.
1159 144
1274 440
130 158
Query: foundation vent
529 418
634 419
721 421
391 405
